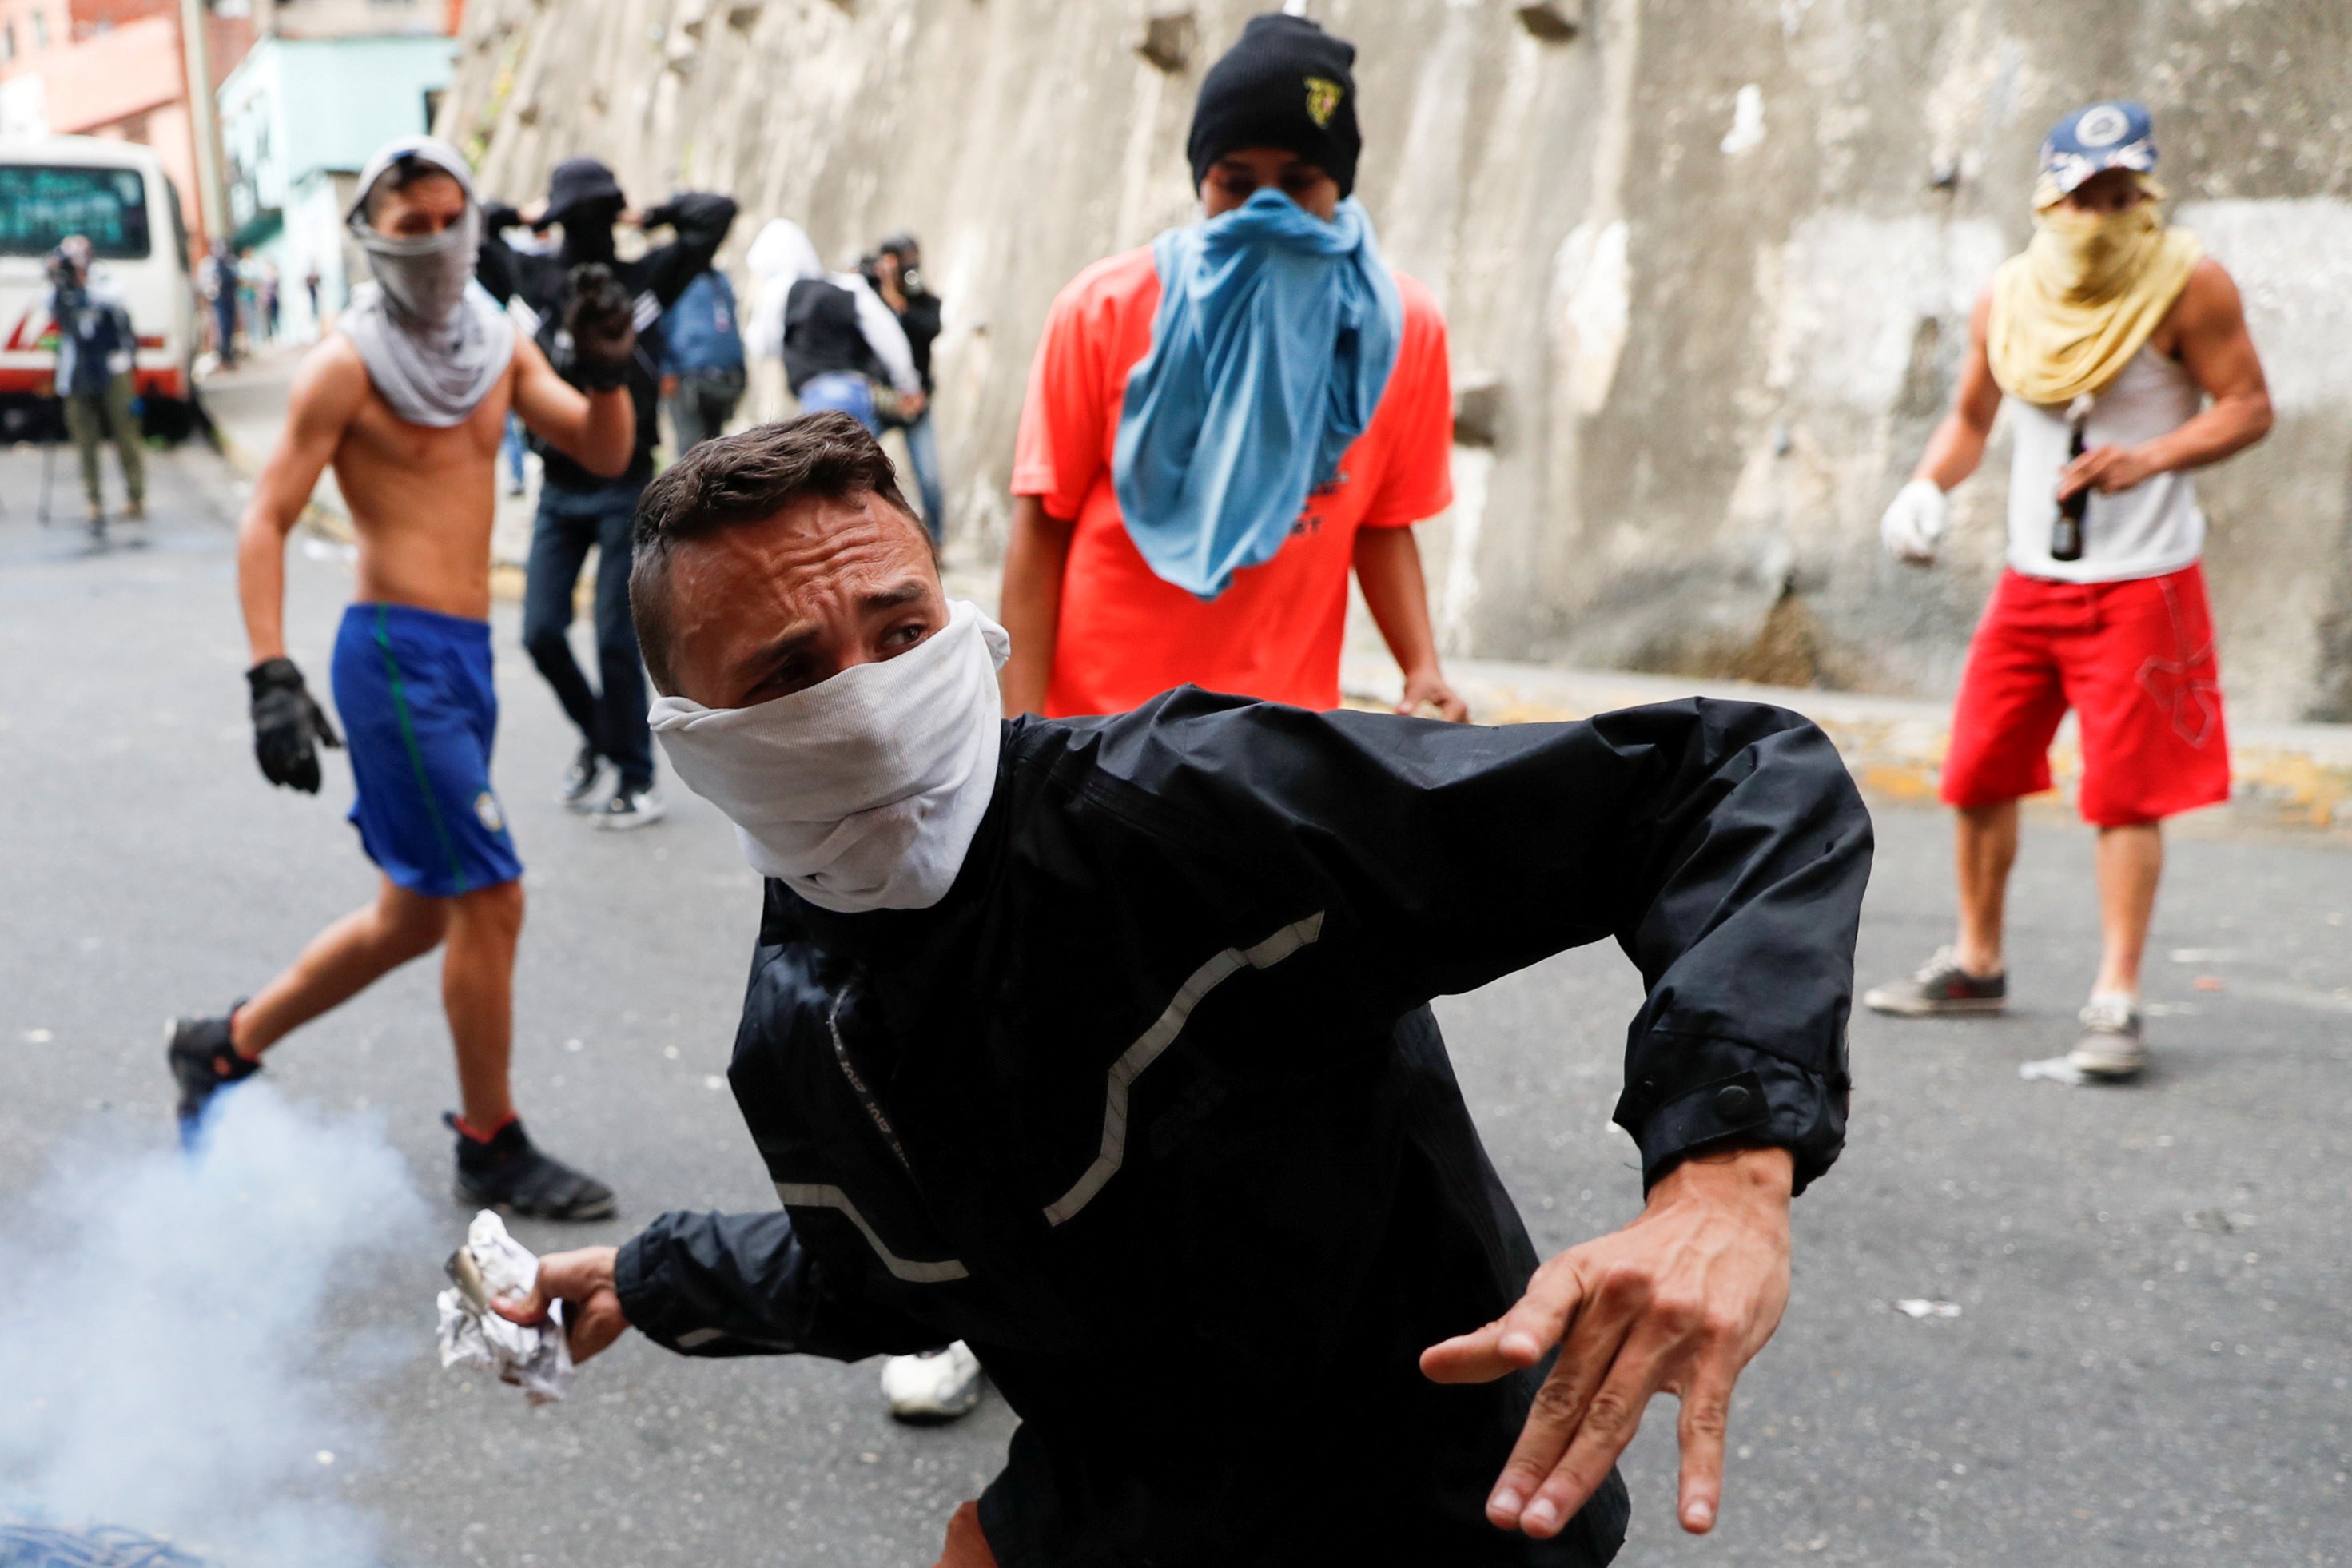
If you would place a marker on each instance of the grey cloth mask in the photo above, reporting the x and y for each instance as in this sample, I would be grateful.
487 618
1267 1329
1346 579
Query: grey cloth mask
434 341
424 280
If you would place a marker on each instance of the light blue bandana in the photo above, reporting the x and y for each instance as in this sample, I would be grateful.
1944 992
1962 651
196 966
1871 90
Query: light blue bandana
1273 341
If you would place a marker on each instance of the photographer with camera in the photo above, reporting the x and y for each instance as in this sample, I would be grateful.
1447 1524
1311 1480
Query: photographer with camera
95 343
896 272
578 508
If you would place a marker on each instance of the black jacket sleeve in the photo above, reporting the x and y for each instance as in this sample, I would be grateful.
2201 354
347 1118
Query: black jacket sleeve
700 221
1722 845
724 1285
508 274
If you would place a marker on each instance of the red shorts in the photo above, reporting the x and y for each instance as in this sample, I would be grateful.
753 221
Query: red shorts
2134 660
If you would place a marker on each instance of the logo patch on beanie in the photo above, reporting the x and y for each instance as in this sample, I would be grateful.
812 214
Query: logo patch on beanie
1322 98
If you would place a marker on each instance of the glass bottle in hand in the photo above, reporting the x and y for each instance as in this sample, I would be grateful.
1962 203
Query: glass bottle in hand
2066 529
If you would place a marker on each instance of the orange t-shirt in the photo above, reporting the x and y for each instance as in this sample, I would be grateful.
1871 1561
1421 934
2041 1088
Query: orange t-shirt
1126 635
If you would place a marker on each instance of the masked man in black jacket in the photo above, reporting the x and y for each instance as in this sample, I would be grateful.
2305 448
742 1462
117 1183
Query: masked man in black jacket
1064 1035
578 509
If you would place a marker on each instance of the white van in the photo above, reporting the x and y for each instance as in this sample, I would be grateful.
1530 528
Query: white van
116 194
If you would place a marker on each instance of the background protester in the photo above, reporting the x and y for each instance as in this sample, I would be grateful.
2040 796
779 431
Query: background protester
895 271
95 348
841 341
702 360
780 256
1221 424
2107 336
216 280
578 509
406 399
264 295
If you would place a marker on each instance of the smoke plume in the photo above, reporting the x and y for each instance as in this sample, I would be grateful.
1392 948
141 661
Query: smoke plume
166 1362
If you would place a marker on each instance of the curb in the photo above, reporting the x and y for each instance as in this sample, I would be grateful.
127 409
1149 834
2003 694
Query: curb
2294 778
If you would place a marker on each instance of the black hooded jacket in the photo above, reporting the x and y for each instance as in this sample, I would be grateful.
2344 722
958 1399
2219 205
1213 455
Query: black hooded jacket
1152 1109
699 220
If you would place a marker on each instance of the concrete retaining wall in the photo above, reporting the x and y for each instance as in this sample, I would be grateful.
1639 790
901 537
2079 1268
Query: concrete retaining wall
1714 258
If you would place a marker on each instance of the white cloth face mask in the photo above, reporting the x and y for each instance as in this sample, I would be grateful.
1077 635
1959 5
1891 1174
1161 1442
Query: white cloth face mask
864 790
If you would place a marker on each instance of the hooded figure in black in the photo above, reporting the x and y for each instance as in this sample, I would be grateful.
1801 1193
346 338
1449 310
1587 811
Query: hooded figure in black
578 509
1103 1045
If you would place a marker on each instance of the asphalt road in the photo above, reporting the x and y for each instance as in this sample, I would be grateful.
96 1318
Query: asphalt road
2151 1363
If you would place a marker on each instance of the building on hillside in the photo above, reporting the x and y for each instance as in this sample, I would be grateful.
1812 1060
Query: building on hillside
116 67
298 119
112 69
312 19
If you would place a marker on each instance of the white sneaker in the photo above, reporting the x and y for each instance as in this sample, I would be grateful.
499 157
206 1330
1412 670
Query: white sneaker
630 808
2114 1045
936 1385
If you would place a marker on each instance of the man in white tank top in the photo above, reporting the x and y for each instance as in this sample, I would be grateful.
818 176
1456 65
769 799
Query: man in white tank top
2122 354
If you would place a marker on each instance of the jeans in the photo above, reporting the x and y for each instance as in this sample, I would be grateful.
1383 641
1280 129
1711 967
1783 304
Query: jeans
846 390
923 457
95 417
612 720
512 447
703 404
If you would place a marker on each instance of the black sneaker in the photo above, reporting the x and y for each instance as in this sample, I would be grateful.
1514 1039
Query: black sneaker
580 780
1940 988
639 805
203 1061
510 1174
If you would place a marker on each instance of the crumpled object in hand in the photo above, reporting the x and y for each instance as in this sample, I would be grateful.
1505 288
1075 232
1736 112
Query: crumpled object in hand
493 1264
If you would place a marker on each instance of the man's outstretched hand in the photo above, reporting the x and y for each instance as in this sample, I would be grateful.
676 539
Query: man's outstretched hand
582 1279
1681 1299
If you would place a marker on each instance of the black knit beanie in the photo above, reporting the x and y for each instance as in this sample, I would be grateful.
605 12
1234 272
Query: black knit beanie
1285 84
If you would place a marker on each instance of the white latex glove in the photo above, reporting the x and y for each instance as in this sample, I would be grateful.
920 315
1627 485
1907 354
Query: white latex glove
1915 523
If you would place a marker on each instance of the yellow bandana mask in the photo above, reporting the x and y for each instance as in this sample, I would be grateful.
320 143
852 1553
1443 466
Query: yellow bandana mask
2070 311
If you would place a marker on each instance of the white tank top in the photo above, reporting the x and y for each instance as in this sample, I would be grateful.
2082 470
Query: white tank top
2153 528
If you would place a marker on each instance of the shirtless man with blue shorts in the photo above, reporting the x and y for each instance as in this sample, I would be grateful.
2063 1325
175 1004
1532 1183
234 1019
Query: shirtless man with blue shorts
408 399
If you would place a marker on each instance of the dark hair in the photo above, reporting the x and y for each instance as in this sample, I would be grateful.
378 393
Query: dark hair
406 170
740 478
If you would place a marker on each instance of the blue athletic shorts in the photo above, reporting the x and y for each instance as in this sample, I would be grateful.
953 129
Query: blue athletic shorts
413 692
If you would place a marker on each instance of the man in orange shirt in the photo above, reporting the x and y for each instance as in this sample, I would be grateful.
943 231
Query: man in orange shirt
1221 423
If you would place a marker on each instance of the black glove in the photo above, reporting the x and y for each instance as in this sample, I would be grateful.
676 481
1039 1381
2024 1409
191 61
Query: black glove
497 216
288 725
601 318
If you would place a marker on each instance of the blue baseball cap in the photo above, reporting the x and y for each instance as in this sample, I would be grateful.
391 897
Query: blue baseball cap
2092 141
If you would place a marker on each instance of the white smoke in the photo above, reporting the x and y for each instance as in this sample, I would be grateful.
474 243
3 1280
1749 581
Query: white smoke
164 1355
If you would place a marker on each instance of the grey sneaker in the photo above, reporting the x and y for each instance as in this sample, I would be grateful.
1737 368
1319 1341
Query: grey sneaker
1941 987
2114 1045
